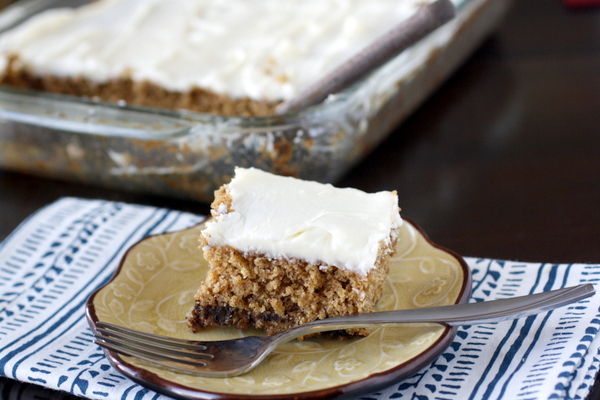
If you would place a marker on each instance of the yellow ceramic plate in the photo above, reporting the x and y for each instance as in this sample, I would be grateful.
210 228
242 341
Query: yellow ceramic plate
153 291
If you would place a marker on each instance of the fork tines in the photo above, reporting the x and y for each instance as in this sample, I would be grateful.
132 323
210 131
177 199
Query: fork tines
162 350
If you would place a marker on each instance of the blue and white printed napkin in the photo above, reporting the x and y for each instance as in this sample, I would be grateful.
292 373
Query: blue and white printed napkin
52 262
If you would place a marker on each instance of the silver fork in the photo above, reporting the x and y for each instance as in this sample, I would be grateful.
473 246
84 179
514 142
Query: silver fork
225 358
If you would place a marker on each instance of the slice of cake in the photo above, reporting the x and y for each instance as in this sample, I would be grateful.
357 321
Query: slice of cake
283 251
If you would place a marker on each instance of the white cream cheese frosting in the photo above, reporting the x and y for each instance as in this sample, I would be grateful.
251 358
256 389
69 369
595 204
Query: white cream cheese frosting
261 49
319 223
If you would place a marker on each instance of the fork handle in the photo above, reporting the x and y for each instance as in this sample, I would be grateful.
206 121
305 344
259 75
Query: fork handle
460 314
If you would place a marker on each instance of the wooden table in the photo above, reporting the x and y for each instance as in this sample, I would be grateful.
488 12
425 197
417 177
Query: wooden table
503 161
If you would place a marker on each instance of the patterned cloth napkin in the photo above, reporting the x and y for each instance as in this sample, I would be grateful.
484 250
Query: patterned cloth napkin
57 257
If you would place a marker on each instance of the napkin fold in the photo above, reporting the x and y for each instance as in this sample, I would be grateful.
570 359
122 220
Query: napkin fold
57 257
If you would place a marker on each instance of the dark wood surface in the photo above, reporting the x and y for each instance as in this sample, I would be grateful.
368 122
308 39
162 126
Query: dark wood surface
503 161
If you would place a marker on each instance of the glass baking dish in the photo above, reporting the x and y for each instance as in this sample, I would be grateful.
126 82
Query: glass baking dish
187 154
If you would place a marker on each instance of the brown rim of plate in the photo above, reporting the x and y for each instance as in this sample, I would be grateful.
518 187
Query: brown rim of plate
371 383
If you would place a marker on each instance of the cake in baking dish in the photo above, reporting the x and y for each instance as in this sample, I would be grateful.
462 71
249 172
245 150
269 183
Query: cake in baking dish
284 251
234 57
